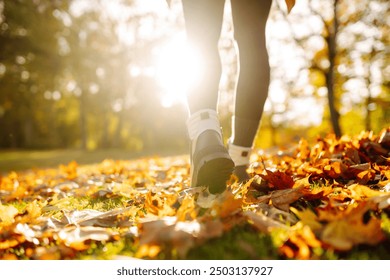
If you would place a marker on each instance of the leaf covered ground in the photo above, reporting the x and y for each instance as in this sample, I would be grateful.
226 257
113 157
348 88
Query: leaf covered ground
324 200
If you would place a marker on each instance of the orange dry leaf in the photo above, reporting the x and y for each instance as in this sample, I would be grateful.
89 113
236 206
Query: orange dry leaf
365 176
187 209
9 257
317 192
9 182
147 250
300 243
304 182
158 205
339 194
9 243
278 180
303 149
78 246
334 169
70 170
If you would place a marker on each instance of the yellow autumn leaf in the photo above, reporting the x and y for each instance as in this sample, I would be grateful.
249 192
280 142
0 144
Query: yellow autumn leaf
361 192
227 205
352 230
147 250
7 215
307 217
32 212
343 235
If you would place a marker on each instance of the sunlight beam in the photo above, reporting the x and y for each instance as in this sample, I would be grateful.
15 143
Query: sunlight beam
179 68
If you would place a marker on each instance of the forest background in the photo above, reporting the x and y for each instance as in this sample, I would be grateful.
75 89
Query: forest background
96 75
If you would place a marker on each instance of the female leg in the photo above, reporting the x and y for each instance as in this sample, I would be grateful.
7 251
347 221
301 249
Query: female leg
211 164
249 21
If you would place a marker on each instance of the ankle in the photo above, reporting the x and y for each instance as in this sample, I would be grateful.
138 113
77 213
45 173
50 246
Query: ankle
239 154
202 121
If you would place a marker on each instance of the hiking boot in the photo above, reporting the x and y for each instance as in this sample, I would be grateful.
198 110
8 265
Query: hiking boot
211 164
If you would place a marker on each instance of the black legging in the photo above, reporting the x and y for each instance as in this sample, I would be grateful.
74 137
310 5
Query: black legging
203 24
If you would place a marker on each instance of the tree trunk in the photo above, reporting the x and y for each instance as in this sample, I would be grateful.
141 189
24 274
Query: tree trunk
83 120
331 40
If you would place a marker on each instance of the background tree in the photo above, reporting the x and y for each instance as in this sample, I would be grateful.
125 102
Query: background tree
327 53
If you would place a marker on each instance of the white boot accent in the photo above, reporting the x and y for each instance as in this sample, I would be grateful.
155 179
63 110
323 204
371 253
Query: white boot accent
240 155
201 121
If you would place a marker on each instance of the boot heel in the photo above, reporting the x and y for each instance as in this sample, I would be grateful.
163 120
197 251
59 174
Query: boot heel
213 170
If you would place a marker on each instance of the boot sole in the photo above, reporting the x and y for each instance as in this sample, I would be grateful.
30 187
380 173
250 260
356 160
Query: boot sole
213 171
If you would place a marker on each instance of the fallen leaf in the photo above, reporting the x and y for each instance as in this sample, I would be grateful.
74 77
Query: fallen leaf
72 234
283 198
159 205
350 229
9 257
309 218
226 205
384 138
335 169
300 243
70 170
113 218
187 209
7 215
42 253
179 235
9 243
278 180
263 223
148 251
361 192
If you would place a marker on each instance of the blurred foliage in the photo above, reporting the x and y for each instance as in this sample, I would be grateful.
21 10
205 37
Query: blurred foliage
77 75
65 78
301 63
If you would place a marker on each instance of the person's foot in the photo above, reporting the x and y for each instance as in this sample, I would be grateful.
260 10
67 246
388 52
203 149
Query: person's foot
211 164
240 156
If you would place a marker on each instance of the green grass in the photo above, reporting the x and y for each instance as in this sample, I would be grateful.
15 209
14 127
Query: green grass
241 243
18 160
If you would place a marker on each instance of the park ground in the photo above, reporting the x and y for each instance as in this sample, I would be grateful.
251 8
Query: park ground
329 199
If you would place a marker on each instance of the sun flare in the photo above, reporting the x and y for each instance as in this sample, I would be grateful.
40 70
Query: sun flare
179 67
